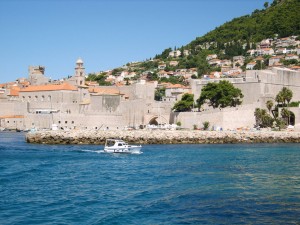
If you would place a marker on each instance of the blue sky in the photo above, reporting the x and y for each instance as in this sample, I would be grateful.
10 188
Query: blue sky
104 33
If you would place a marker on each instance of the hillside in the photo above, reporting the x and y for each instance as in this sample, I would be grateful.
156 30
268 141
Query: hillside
224 48
282 18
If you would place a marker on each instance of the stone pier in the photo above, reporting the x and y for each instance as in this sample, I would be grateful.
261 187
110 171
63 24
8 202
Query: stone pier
162 137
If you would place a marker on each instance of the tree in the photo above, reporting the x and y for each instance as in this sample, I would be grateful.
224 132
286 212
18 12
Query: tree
159 93
185 104
269 105
287 94
279 98
266 4
222 94
262 118
285 114
205 125
258 116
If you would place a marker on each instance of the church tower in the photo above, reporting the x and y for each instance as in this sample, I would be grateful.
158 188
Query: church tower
79 73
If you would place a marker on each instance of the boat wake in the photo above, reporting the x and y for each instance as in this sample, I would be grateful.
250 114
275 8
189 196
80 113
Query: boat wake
95 151
102 151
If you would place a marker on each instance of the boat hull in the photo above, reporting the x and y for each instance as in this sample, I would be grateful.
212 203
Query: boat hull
128 150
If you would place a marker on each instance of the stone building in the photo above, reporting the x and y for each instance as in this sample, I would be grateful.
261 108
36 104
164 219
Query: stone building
258 86
36 75
74 105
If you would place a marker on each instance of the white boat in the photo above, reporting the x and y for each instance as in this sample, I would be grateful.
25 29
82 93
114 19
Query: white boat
120 146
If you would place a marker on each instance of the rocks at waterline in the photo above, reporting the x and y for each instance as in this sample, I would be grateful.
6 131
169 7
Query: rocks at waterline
162 137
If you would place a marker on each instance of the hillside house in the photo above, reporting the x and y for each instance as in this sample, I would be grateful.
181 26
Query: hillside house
266 43
233 72
281 51
175 91
225 62
162 66
210 57
297 68
238 58
250 65
291 56
214 62
173 63
267 51
275 59
162 74
175 54
186 52
287 41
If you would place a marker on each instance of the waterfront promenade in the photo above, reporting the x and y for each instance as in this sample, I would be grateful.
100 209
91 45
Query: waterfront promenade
162 137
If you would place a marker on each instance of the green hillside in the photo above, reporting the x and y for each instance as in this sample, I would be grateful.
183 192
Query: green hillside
281 17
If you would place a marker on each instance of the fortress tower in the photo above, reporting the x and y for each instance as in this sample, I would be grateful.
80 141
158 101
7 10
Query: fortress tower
36 75
79 73
79 78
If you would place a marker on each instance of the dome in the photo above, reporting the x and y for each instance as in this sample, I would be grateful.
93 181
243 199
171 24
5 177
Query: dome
79 61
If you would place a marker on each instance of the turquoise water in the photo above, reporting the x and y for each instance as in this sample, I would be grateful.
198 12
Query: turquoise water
167 184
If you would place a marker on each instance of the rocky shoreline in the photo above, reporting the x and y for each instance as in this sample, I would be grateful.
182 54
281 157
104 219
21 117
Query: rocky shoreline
162 137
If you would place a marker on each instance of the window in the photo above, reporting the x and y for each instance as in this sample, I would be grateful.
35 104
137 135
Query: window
66 122
72 122
59 122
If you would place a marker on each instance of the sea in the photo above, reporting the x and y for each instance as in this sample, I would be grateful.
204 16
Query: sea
166 184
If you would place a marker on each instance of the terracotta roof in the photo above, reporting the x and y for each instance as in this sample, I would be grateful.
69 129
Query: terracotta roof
11 116
49 87
91 83
277 57
290 55
295 67
176 86
104 91
14 91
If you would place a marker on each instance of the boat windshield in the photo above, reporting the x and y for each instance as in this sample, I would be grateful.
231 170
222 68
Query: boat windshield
110 143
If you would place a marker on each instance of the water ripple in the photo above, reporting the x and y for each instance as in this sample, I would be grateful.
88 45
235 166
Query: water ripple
168 184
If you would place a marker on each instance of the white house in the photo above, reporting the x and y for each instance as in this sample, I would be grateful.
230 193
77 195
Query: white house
214 62
212 56
250 65
267 51
275 59
175 54
162 66
291 56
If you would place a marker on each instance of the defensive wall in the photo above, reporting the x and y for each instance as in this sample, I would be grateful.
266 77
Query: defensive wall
227 119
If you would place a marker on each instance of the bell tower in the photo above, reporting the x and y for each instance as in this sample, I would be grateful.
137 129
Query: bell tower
79 73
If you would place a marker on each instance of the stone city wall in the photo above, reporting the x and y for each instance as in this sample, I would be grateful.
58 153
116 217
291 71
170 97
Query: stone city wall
227 119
